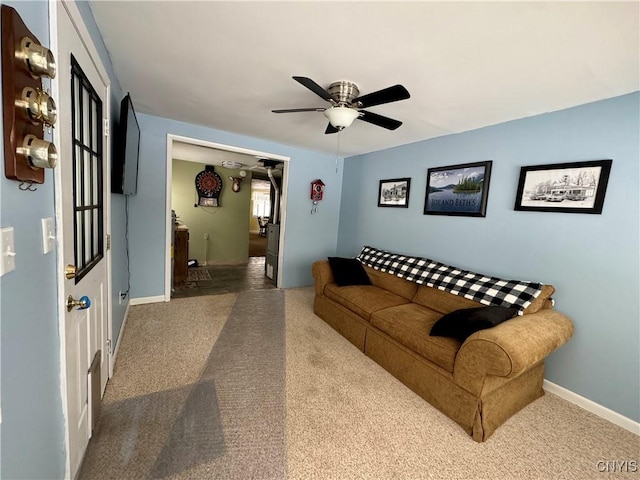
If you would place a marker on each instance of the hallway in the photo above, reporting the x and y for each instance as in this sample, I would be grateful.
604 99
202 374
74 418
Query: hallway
218 279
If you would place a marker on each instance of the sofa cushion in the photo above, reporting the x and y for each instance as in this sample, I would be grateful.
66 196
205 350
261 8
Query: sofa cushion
445 302
441 301
462 323
475 286
394 284
348 271
410 325
363 299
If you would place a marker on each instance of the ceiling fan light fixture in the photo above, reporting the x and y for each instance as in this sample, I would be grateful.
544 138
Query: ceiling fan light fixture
341 117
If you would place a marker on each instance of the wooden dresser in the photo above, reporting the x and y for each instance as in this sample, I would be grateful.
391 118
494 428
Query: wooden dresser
180 255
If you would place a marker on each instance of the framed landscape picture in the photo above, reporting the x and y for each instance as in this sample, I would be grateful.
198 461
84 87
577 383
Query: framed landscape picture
394 192
577 187
458 190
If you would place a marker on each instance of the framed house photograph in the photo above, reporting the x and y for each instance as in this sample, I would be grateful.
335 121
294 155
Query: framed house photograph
577 187
394 192
458 190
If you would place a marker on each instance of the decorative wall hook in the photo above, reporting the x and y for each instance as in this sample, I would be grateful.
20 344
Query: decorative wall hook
27 187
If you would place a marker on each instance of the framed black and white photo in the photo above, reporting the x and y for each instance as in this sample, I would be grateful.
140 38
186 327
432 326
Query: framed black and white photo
458 190
577 187
394 192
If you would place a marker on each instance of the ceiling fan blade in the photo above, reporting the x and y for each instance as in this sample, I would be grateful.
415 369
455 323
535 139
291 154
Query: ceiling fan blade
386 95
314 87
331 129
379 120
293 110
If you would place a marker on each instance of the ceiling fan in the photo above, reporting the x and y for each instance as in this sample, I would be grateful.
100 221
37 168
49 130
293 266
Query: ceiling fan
346 105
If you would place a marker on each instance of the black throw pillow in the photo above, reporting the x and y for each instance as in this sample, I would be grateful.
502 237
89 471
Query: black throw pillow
462 323
348 271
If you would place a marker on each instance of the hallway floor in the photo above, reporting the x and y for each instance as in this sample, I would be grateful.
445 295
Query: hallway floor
227 279
257 245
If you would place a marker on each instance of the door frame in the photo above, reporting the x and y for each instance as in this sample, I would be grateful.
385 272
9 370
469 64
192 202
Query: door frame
229 148
85 37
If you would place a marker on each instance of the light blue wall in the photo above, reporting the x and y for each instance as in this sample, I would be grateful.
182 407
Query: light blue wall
31 432
308 237
592 260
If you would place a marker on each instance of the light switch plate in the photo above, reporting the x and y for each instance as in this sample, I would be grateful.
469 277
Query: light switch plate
48 236
7 251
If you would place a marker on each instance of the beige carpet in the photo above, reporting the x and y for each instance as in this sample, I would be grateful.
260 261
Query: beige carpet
345 417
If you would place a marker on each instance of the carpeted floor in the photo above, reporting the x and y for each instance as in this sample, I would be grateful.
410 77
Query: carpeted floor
254 385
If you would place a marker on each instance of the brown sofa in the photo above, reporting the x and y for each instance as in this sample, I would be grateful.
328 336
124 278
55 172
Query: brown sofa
479 383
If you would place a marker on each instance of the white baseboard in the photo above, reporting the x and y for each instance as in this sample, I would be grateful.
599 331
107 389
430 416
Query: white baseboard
144 300
593 407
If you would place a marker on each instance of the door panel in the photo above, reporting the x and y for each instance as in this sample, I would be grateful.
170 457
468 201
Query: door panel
82 168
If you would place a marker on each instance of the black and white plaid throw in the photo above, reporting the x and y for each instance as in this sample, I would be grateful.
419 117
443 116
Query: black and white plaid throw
423 271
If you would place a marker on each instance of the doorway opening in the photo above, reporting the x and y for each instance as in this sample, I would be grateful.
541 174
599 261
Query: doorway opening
209 242
260 213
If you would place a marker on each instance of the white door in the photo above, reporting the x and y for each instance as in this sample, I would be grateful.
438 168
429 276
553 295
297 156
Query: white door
82 202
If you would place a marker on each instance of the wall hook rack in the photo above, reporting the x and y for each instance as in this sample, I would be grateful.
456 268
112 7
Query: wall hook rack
27 106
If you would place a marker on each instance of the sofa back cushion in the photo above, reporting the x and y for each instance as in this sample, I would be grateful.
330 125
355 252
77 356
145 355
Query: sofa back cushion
392 283
476 286
445 302
441 301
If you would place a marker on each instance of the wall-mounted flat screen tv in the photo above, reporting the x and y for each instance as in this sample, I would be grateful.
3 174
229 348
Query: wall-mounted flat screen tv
124 167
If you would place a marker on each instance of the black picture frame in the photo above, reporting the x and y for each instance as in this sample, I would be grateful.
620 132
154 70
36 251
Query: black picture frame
394 192
458 190
575 187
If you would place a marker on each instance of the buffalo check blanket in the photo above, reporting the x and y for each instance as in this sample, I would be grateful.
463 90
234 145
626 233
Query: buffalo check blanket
483 289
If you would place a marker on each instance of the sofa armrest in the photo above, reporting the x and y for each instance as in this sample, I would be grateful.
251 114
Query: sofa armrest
510 348
322 275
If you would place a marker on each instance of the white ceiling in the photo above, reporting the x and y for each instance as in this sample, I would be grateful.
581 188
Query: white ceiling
192 152
226 65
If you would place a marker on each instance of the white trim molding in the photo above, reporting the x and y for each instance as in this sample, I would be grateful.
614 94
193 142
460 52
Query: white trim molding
593 407
145 300
114 354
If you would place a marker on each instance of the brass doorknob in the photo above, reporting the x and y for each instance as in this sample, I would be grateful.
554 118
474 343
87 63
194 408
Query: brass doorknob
38 59
70 271
83 303
39 106
39 153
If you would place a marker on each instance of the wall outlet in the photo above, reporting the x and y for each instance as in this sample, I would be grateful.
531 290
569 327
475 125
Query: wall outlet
122 296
